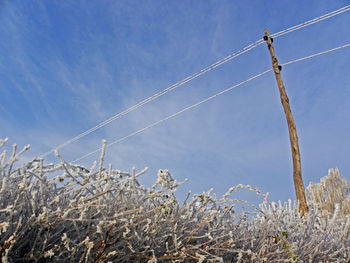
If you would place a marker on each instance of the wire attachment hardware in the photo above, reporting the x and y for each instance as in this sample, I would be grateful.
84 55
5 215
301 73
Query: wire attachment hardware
266 38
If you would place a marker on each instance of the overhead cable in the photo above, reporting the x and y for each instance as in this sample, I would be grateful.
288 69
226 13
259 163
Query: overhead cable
207 99
175 114
312 21
193 76
157 95
315 55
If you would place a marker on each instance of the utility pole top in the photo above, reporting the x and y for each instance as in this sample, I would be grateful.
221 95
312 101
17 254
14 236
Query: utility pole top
267 38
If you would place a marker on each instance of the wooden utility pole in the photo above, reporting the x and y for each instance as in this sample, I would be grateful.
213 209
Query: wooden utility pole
298 181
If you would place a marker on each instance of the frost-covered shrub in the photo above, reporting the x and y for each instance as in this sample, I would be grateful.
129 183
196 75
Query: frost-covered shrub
105 215
332 191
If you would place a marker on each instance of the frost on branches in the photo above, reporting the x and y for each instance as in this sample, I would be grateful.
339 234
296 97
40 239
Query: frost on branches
105 215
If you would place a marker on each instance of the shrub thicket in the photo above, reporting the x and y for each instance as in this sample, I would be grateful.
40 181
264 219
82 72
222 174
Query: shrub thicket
67 213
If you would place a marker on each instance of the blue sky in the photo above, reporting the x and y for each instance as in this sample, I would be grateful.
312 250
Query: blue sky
66 66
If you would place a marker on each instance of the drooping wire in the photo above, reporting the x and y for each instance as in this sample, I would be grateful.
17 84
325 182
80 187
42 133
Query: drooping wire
193 76
208 99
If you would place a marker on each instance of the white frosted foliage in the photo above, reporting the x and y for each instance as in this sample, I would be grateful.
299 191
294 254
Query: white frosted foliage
106 215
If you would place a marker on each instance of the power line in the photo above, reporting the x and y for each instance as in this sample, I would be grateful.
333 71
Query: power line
207 99
312 21
157 95
193 76
315 55
175 114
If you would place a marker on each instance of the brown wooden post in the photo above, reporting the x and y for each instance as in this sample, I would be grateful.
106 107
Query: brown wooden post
298 181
